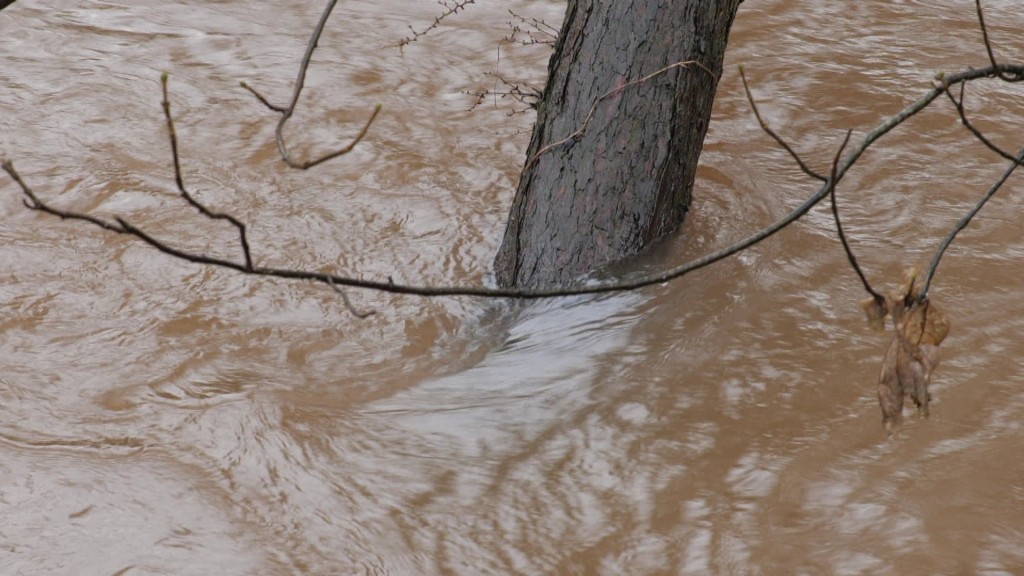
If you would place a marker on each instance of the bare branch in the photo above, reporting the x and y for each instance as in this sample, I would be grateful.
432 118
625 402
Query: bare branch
530 95
287 111
348 303
1005 76
119 226
451 8
180 182
263 99
527 95
537 31
832 178
839 227
776 137
945 81
32 202
839 169
964 222
197 258
959 105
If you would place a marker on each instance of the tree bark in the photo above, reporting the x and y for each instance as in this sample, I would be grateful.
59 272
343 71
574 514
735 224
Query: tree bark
627 179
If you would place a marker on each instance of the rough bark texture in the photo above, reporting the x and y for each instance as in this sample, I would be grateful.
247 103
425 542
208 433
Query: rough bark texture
628 179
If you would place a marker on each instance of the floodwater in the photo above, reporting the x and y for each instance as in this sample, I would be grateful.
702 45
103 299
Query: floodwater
159 417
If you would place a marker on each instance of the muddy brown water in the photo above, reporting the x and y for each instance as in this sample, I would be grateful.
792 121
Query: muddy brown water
162 418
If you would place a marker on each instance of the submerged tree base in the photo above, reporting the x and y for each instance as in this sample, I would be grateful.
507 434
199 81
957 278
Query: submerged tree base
620 125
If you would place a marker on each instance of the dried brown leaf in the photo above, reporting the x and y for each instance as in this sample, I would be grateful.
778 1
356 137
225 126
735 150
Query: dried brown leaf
876 311
913 352
925 323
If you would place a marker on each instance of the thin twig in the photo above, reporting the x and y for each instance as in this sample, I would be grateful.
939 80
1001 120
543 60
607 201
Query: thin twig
528 96
121 227
806 170
287 111
776 137
988 46
959 105
839 227
964 222
341 151
549 33
348 303
32 202
180 182
578 133
451 7
262 98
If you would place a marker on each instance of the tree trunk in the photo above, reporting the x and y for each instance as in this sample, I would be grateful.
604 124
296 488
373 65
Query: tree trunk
627 179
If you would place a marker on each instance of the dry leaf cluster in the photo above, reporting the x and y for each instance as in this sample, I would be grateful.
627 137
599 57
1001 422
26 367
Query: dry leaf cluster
920 327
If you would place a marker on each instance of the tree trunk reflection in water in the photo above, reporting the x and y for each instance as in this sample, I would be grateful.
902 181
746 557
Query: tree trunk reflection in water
178 420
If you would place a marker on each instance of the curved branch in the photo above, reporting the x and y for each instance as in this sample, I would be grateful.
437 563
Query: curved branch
333 280
959 105
287 111
842 235
180 182
776 137
32 202
832 178
964 222
839 169
1006 77
451 8
348 303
